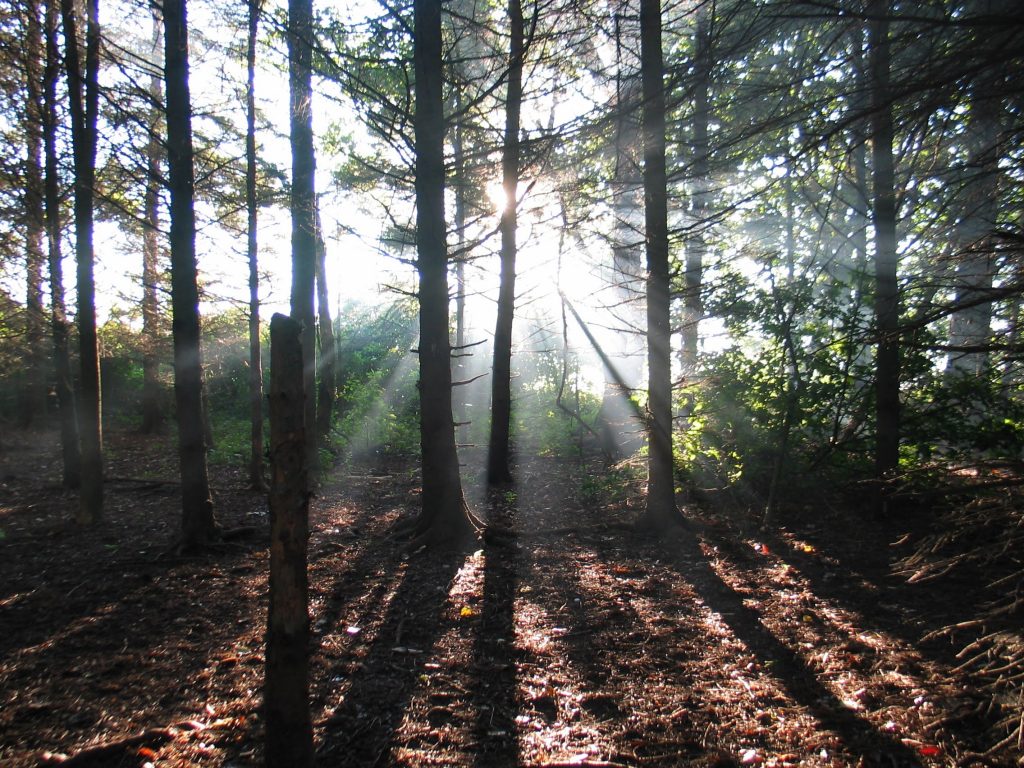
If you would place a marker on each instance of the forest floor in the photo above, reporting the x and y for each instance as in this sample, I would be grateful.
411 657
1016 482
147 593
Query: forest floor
582 644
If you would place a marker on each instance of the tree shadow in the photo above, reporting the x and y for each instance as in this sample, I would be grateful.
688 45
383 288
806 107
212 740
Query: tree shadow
379 680
858 735
494 653
603 625
131 640
879 600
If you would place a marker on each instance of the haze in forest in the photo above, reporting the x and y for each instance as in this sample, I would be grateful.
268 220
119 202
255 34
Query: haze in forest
707 267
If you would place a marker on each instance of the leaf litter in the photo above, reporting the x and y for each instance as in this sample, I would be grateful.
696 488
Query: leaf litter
592 646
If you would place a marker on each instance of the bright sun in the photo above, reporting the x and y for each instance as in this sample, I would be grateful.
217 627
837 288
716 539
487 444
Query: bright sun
496 195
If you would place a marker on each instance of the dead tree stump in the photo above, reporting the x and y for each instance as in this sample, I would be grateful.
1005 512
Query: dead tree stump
289 731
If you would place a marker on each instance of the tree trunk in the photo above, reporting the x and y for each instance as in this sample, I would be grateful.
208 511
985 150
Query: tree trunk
970 328
887 361
152 411
696 245
303 200
83 98
328 378
58 313
256 481
498 470
459 409
198 524
289 730
661 509
444 518
33 406
620 432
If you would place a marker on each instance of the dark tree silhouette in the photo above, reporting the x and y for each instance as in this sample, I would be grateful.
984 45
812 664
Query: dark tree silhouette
303 199
326 382
152 412
445 518
83 99
498 470
33 392
256 480
289 729
887 362
58 313
198 524
661 505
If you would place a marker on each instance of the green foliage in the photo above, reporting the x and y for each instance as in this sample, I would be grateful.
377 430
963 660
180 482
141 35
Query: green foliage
11 354
226 361
377 406
232 439
953 416
612 486
540 426
545 429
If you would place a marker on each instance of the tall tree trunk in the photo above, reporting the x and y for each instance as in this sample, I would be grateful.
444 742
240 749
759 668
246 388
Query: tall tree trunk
970 328
620 433
696 245
461 182
498 470
83 98
303 200
256 481
861 196
328 378
198 524
444 518
152 412
33 406
58 313
661 509
289 729
887 360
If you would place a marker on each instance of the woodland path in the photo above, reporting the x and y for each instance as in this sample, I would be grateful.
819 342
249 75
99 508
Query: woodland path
582 644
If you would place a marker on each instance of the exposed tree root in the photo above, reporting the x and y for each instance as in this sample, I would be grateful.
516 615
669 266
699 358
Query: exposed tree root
432 532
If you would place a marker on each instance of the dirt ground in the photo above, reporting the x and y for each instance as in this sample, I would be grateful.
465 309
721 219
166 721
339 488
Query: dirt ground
583 644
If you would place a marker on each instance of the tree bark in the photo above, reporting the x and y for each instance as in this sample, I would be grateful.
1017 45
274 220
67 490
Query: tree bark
83 98
71 476
498 470
661 509
152 411
289 730
328 359
303 200
887 360
256 481
444 518
33 406
198 524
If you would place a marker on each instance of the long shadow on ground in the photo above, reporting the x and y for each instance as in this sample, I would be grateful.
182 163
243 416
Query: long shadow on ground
99 621
494 662
378 680
858 736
